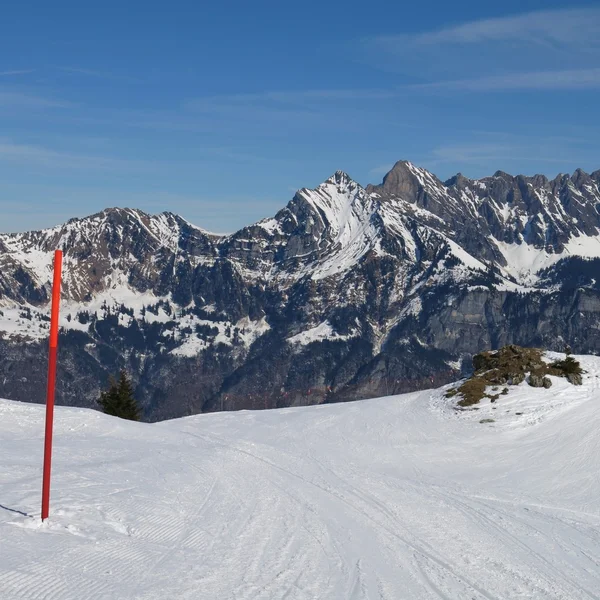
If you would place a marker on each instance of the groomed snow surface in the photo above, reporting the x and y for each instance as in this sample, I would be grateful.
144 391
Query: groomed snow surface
396 498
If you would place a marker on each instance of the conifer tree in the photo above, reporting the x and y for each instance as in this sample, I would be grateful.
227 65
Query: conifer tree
118 400
109 399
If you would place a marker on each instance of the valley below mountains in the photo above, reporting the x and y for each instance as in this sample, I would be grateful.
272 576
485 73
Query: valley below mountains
348 292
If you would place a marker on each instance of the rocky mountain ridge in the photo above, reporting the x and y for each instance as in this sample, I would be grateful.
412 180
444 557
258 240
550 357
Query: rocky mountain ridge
347 292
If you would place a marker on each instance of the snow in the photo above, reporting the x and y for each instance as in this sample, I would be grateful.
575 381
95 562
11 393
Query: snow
252 330
414 308
469 261
585 246
427 181
345 211
400 497
38 262
323 331
525 260
454 364
14 322
192 346
31 249
271 226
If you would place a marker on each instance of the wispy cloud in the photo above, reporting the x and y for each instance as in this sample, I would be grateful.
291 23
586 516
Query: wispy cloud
16 72
287 104
98 74
574 79
545 50
32 155
567 27
10 98
48 157
282 112
294 96
482 152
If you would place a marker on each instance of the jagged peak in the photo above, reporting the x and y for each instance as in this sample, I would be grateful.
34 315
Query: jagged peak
503 175
539 180
458 180
114 213
405 179
403 164
340 178
580 177
116 221
561 178
114 216
398 176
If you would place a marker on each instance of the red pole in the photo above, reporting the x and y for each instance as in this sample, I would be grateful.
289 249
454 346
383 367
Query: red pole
51 383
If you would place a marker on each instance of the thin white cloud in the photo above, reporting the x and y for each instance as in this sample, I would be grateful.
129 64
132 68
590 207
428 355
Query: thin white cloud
24 100
16 72
573 79
299 96
569 27
98 74
481 152
277 100
276 113
552 49
41 156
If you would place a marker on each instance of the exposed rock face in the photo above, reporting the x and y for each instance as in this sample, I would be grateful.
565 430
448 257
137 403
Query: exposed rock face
539 381
348 292
516 379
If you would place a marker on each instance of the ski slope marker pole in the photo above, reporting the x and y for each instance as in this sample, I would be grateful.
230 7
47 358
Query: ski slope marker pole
51 383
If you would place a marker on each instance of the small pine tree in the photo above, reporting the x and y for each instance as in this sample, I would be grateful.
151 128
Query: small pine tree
109 399
118 400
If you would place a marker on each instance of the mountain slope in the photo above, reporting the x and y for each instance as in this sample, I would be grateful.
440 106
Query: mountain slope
400 497
347 292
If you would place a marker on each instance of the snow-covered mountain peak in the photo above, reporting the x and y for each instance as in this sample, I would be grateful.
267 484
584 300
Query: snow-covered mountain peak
109 248
340 178
331 205
409 182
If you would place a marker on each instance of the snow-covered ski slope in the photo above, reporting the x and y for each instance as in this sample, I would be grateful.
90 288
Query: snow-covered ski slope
396 498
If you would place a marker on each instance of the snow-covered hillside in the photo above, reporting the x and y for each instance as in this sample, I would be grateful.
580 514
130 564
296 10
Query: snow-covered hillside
397 498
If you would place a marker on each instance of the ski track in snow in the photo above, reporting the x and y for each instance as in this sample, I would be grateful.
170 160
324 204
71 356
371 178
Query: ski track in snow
395 498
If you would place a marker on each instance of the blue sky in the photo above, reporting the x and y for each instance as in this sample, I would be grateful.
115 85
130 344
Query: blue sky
220 111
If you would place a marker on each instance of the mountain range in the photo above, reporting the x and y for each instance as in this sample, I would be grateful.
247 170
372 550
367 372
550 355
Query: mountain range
346 293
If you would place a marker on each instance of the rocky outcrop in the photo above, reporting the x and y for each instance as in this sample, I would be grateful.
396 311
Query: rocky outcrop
512 365
539 381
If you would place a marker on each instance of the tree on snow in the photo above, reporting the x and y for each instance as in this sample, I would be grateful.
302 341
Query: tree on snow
118 400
